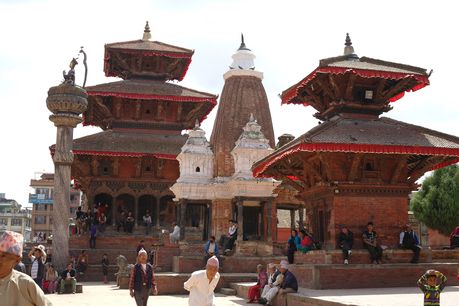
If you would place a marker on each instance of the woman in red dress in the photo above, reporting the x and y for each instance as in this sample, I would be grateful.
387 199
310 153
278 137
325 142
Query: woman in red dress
262 280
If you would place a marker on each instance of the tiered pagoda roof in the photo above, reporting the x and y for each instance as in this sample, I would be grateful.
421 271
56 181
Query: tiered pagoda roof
349 84
350 93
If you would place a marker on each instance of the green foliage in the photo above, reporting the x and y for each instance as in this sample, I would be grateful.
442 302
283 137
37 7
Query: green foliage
436 204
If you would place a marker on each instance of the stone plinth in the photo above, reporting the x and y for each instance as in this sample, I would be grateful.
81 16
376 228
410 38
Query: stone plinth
253 248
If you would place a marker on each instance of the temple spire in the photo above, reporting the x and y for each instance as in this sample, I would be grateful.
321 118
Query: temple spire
349 49
243 46
146 32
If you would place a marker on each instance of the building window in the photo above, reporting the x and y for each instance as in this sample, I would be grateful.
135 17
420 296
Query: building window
40 219
198 169
3 221
40 207
16 222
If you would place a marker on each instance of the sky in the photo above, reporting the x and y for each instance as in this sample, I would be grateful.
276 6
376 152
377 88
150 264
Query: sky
39 38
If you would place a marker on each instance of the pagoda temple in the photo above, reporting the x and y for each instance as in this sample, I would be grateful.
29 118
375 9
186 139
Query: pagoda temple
131 164
357 166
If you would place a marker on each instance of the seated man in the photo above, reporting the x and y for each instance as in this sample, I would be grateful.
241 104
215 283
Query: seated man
67 277
345 242
370 243
275 280
289 284
409 240
231 237
82 264
211 249
175 235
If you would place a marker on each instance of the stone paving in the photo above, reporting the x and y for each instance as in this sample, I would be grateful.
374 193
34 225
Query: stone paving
108 295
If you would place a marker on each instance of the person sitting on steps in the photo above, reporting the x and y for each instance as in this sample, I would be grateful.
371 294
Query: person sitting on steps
345 242
409 240
371 244
67 277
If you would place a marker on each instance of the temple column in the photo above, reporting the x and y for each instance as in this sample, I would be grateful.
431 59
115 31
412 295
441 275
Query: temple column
292 219
66 101
136 210
301 213
182 223
240 220
269 220
158 203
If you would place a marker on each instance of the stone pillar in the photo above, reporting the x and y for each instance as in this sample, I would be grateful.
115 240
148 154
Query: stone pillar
240 220
136 211
269 220
66 102
182 212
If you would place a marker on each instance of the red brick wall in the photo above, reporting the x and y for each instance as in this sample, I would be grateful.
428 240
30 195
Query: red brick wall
437 240
388 214
221 213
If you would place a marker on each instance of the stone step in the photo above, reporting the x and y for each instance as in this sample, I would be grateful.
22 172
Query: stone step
339 276
228 291
233 264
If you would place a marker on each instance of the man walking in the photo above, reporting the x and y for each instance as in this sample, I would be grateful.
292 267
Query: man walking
202 283
142 280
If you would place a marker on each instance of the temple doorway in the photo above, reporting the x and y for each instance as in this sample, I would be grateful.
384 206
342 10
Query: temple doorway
147 202
105 199
197 221
252 223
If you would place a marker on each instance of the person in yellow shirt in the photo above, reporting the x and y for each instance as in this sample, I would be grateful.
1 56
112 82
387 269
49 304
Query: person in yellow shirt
16 288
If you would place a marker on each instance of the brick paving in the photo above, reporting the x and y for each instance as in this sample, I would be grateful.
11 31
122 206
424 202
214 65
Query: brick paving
108 295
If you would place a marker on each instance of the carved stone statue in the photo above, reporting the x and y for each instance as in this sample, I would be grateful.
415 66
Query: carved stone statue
124 270
69 77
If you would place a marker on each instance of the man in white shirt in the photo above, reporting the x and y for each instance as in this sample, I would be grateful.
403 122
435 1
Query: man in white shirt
202 283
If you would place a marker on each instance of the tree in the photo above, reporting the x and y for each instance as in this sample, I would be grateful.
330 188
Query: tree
436 204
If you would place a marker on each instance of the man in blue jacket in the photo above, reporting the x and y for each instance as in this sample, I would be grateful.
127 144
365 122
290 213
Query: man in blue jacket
211 249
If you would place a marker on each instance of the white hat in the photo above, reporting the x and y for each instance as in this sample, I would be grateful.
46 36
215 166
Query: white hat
284 264
142 251
42 249
213 261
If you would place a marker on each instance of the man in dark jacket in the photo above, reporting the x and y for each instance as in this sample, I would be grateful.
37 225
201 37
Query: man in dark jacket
409 240
67 277
345 242
142 280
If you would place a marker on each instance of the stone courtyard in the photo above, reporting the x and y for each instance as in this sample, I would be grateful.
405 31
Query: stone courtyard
108 295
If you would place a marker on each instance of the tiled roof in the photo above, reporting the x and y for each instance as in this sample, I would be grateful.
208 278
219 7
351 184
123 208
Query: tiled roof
146 45
124 143
366 63
150 88
381 131
381 135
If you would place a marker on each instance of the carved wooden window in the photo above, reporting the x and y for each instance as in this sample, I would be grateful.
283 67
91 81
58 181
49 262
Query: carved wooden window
148 167
105 167
370 168
198 169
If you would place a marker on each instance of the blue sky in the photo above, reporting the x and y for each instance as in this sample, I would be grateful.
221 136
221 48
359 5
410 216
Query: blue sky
288 37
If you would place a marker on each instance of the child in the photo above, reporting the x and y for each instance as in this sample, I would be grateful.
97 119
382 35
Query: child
105 265
428 284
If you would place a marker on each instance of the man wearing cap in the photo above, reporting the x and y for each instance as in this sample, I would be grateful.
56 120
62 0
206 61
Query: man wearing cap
202 283
277 285
16 288
142 280
38 258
